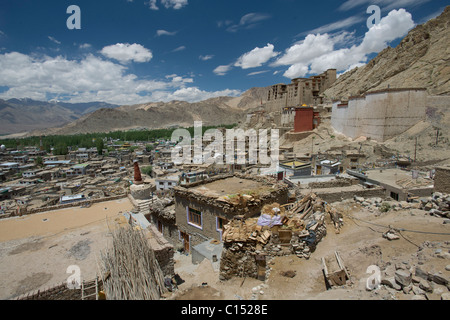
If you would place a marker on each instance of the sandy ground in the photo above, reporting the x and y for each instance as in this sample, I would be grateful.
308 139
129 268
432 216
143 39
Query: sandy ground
360 245
36 250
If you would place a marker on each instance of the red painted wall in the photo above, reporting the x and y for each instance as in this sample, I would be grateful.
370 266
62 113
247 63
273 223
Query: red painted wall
303 119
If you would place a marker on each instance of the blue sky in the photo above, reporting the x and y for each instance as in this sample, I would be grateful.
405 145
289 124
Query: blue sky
137 51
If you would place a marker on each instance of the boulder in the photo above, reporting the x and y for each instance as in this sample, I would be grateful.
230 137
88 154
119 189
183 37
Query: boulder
425 286
403 277
390 282
417 290
437 278
421 273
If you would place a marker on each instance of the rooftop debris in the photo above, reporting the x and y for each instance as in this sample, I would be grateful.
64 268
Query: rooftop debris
294 228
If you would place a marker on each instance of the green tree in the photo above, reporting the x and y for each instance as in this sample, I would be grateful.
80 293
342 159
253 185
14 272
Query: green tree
147 170
61 149
39 161
100 145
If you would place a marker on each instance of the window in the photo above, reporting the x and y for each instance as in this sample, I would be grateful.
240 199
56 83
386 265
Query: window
194 217
394 196
221 222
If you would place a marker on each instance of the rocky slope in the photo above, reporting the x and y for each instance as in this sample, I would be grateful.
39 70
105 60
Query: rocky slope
421 59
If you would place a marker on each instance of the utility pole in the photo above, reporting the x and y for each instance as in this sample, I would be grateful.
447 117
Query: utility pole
415 150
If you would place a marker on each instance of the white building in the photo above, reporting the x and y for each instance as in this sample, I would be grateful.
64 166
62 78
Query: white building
167 182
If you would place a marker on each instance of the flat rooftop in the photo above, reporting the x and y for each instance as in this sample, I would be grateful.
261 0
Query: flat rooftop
397 178
227 186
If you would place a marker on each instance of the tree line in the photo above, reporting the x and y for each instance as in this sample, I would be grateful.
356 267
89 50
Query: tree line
62 143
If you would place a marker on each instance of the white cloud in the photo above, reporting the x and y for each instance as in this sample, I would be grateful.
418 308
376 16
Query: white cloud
306 50
168 4
395 25
383 4
176 4
317 53
165 33
222 70
206 57
54 40
85 46
347 22
193 94
125 52
180 48
257 72
226 23
248 21
256 57
178 79
89 79
152 5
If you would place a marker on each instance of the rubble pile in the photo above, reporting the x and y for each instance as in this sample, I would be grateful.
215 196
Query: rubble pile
280 230
422 281
378 204
436 205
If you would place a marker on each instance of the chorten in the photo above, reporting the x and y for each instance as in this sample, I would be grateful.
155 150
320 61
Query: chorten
137 174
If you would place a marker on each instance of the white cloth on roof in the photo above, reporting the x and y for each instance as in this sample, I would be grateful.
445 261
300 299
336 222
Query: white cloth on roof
268 220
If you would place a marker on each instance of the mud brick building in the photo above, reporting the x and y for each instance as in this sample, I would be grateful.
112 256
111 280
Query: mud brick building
204 207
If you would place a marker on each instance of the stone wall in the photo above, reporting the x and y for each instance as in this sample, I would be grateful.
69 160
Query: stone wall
336 183
343 194
442 179
58 292
380 115
163 251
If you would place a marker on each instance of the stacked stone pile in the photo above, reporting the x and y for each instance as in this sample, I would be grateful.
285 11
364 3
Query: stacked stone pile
436 205
377 203
419 276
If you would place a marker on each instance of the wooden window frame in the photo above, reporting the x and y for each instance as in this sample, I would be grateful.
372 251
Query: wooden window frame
194 218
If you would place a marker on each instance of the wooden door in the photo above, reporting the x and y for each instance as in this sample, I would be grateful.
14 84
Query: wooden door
185 238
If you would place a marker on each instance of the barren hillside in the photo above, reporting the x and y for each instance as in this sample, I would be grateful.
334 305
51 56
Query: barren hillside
421 59
214 111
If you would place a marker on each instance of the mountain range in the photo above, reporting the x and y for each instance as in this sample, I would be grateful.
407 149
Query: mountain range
19 115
